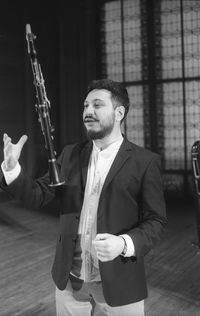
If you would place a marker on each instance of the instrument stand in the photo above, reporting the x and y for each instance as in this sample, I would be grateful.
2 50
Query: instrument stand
195 157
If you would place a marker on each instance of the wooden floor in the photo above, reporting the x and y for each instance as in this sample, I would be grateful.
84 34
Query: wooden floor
27 245
173 267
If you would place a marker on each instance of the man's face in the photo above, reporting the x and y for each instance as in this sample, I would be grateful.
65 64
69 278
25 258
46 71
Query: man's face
98 114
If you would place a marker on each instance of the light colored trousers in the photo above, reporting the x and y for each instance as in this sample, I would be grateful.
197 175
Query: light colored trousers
89 300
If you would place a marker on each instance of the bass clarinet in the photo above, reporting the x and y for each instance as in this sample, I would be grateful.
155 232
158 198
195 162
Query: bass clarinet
42 108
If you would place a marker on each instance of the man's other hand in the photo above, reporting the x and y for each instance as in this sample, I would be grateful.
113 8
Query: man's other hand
108 246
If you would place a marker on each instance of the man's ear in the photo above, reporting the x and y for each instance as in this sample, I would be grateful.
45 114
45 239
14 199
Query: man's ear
120 111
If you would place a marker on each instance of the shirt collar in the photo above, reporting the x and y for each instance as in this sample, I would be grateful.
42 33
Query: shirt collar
107 152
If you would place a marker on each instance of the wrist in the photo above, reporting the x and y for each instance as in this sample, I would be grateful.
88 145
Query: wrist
12 174
123 253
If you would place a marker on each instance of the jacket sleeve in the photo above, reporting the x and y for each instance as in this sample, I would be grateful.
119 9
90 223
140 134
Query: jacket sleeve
152 210
33 193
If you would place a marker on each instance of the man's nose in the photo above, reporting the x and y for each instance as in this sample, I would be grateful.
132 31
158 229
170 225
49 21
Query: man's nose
89 110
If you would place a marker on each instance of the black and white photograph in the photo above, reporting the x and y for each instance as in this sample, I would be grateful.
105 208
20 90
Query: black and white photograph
100 158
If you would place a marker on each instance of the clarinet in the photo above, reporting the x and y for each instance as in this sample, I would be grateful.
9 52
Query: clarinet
42 108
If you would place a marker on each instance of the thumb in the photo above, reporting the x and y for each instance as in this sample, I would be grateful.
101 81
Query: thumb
102 236
22 141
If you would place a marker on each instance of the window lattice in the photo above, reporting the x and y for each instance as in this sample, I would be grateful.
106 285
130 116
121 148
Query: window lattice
127 49
123 57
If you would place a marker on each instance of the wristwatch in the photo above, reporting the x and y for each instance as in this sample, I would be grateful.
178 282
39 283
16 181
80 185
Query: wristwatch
125 247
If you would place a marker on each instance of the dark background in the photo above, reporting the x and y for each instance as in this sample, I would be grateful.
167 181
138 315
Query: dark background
67 48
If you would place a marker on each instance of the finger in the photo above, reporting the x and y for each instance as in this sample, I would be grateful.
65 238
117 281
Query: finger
102 236
5 136
7 145
7 149
6 139
102 258
100 247
100 242
101 255
22 141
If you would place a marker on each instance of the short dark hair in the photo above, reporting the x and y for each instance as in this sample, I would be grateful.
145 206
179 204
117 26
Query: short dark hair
118 91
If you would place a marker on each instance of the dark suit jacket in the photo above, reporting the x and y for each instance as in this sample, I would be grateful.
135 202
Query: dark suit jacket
131 202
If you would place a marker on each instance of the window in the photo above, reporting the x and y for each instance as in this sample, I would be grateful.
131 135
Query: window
154 48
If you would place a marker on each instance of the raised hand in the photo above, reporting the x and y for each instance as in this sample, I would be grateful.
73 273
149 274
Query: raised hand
12 151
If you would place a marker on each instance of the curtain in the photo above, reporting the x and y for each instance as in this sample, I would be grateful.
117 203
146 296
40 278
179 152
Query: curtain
66 49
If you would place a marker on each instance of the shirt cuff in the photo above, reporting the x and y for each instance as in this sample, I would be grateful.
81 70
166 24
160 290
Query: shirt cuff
130 246
11 175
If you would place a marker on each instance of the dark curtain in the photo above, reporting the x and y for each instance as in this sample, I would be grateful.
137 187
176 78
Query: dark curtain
66 45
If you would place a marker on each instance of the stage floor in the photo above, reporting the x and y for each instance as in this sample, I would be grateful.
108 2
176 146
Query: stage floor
27 245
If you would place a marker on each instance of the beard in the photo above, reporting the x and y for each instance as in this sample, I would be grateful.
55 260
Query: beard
103 130
99 134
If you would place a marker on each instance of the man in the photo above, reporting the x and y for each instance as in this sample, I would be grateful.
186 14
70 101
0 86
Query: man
112 209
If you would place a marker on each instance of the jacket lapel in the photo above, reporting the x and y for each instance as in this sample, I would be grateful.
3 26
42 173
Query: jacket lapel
84 161
121 157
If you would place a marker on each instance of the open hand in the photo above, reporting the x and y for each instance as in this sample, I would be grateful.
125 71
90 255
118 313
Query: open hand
12 151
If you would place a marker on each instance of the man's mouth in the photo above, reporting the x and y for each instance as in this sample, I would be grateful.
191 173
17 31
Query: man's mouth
90 121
